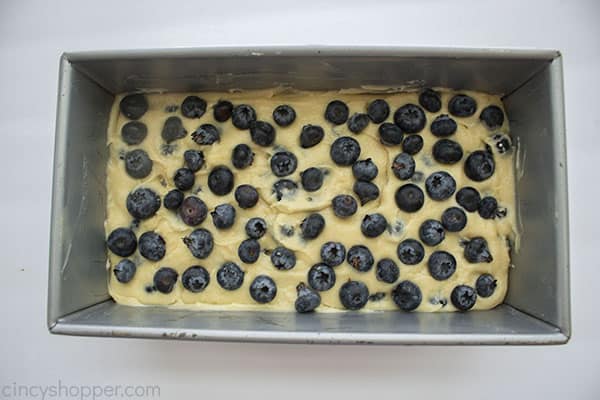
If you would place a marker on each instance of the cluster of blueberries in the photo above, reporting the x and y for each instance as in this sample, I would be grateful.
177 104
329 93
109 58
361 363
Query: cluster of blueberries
409 120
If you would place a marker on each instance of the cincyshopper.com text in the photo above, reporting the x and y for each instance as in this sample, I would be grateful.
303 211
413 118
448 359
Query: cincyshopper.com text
61 390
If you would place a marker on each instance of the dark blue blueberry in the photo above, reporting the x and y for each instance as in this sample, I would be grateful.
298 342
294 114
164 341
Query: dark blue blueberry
284 115
441 265
242 156
307 299
485 285
492 117
377 296
311 135
134 132
124 271
223 216
503 143
446 151
284 187
195 279
488 207
133 106
173 199
409 198
387 271
312 226
152 246
480 165
410 118
410 252
173 129
477 251
454 219
360 258
430 100
263 289
206 134
412 144
242 116
220 180
366 191
222 110
194 159
333 253
321 277
373 225
337 112
462 105
407 296
165 279
312 179
246 196
283 163
354 295
200 243
193 107
431 232
378 110
184 179
403 166
344 205
283 258
344 151
463 297
249 250
443 126
193 211
365 170
468 198
143 203
122 242
358 122
256 228
440 185
390 134
138 164
230 276
262 133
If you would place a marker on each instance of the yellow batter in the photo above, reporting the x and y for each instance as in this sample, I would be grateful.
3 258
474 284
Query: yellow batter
309 107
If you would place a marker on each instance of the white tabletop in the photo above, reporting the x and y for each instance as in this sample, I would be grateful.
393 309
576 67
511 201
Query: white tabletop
32 36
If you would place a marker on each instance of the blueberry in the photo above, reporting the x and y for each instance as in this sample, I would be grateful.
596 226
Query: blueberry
312 179
412 144
378 111
262 133
360 258
256 227
152 246
134 132
263 289
387 271
194 159
446 151
193 107
321 277
480 165
242 116
488 206
184 179
407 296
463 297
165 279
344 205
440 185
195 279
443 126
223 216
344 151
133 106
365 170
430 100
173 199
358 122
410 252
333 253
143 203
286 230
122 242
200 243
283 163
220 180
409 198
454 219
468 198
377 296
173 129
193 211
431 232
249 250
284 115
222 110
307 299
283 258
284 187
336 112
485 285
503 143
410 118
390 134
373 225
354 295
246 196
138 164
403 166
311 135
206 134
124 271
312 226
476 251
492 117
441 265
366 191
462 105
242 156
230 276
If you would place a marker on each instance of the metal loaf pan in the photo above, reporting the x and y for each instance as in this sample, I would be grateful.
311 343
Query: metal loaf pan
536 310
